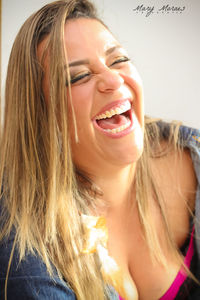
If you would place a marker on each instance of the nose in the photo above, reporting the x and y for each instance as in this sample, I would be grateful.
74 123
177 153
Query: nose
109 80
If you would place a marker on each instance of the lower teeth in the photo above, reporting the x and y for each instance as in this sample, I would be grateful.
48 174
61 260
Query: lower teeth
119 129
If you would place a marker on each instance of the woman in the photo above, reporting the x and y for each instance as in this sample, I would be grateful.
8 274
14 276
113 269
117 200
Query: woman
79 162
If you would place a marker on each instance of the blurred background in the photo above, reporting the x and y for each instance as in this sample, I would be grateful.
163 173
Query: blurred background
162 38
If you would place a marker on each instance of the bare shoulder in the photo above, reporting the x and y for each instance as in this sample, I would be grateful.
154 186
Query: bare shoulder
175 177
176 170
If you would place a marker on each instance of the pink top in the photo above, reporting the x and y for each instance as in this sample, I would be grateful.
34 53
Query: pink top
181 276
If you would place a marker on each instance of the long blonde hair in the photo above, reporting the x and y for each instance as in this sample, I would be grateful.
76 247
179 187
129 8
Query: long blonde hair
42 194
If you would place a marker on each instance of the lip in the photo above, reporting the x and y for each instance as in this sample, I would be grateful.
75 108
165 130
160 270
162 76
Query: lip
117 134
112 105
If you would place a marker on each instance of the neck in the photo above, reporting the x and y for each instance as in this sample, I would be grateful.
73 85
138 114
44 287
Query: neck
117 186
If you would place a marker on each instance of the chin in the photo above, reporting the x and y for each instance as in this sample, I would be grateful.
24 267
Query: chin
130 158
130 150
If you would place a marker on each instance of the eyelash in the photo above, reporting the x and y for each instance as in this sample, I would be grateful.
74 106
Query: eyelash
121 59
77 78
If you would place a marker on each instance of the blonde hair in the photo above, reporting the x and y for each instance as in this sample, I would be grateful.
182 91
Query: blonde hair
43 193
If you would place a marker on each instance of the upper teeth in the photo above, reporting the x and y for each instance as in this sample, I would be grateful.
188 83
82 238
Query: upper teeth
117 111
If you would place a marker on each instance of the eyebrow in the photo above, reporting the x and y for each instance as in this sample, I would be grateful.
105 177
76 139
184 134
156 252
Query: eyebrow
112 49
86 61
79 62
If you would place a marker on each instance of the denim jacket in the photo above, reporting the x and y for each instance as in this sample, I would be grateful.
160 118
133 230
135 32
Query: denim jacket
30 279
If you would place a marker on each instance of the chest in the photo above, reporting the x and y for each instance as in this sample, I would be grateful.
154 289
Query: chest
126 239
129 248
131 252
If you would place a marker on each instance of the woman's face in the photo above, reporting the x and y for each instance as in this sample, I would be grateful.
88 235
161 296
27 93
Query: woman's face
106 96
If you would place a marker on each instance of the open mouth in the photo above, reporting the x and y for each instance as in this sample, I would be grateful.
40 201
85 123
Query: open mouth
115 120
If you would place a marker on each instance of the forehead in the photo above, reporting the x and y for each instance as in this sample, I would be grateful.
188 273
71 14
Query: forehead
87 36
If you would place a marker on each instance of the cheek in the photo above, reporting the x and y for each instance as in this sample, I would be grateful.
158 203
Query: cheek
135 74
81 105
82 100
133 80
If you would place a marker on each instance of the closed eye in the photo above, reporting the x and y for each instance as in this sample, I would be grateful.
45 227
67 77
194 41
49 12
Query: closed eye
79 78
120 60
84 77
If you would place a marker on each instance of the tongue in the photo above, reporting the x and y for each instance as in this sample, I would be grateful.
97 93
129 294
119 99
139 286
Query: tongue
113 122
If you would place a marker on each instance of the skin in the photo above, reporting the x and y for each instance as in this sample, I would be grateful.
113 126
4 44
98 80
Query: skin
111 162
109 82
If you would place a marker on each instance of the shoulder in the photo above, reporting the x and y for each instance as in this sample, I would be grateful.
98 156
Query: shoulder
29 279
187 136
189 140
183 165
176 175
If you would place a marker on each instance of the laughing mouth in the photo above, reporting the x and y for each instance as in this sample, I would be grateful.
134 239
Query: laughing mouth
115 120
